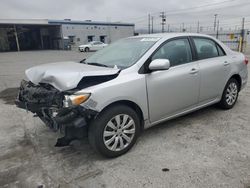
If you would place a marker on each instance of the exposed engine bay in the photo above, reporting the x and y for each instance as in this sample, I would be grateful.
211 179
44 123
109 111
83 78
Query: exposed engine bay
46 102
50 94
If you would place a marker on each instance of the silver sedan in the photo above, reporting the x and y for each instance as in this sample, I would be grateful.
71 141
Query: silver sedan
134 84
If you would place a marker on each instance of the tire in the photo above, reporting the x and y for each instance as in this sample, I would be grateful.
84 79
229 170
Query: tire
230 94
115 144
86 49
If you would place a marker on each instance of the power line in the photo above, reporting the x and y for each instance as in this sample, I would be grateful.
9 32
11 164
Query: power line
170 12
201 6
209 26
189 8
229 21
203 23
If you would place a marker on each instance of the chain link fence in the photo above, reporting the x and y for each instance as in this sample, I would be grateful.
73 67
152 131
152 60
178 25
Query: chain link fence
236 40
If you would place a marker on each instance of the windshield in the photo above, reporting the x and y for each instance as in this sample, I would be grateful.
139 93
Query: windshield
123 53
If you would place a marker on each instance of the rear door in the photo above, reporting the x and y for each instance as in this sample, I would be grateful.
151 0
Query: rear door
176 89
214 67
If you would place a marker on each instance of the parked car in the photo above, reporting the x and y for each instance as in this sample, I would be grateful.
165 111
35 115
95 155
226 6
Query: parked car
92 46
132 85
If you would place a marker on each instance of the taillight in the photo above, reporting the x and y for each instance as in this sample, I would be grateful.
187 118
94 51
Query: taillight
246 61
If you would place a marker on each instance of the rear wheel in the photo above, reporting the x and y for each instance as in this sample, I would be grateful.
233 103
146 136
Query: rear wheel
114 131
86 49
230 94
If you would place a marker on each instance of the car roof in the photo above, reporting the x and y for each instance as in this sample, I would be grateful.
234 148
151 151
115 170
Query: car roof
170 35
166 36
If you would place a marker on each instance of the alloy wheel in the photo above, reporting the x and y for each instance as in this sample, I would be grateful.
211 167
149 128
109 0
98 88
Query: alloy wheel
119 132
231 93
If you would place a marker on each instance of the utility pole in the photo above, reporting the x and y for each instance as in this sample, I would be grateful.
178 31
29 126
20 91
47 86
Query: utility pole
152 27
109 31
168 27
163 21
149 17
217 33
198 27
16 36
242 34
201 28
215 17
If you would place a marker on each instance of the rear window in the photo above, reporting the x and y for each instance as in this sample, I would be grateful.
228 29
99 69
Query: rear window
206 48
220 51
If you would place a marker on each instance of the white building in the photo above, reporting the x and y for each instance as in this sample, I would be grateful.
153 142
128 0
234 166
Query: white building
30 34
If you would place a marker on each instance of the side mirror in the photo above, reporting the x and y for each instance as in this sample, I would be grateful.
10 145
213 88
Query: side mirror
159 64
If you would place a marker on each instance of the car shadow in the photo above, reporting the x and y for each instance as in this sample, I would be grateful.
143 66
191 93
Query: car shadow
181 120
78 162
84 148
9 95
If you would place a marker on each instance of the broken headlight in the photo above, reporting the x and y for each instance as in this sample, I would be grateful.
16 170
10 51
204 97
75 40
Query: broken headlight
74 100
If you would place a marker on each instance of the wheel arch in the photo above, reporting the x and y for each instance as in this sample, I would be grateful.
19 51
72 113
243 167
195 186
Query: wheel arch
132 105
238 78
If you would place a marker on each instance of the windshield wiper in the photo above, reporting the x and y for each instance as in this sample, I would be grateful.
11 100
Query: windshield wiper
98 64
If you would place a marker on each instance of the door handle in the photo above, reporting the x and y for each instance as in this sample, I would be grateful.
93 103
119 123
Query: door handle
194 71
226 63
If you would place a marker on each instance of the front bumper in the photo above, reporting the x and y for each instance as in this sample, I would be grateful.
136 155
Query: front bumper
32 107
72 121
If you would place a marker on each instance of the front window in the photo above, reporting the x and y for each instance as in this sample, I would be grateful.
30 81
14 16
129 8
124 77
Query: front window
123 53
176 51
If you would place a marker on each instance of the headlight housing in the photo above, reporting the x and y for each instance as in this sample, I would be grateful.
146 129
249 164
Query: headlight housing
74 100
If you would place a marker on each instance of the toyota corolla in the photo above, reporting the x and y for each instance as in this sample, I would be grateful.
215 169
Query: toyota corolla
131 85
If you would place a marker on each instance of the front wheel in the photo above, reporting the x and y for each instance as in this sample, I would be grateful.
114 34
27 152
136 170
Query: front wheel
114 131
230 94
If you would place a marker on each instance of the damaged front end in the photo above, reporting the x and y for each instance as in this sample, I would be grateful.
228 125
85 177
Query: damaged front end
50 105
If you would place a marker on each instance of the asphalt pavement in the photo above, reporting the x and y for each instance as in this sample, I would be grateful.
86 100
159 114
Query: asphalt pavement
207 148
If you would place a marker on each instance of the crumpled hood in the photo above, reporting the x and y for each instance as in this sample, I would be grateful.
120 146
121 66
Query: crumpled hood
65 75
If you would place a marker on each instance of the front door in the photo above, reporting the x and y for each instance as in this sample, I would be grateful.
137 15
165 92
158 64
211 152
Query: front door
177 89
